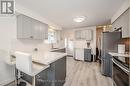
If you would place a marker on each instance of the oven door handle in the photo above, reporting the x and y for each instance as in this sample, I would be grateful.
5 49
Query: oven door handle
124 69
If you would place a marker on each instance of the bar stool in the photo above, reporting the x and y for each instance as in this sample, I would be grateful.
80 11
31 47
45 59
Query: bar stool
24 64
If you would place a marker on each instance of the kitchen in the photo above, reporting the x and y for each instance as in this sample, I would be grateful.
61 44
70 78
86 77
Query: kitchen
82 46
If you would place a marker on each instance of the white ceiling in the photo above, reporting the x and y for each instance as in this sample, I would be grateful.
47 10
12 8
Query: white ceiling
62 12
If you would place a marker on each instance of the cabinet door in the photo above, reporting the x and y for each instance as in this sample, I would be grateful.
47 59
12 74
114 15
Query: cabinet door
83 35
78 34
40 30
57 72
117 23
24 27
89 35
27 27
19 27
123 21
37 30
42 78
30 28
60 71
45 30
125 24
79 54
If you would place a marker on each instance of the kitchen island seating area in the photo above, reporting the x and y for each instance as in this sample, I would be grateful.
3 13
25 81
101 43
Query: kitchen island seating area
51 71
25 65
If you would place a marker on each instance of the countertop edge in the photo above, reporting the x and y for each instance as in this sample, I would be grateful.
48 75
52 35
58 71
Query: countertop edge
119 54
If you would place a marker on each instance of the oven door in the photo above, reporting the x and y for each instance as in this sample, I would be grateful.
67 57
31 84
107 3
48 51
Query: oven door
120 74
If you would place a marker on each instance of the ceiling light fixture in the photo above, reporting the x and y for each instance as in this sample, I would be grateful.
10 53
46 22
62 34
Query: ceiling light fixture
79 19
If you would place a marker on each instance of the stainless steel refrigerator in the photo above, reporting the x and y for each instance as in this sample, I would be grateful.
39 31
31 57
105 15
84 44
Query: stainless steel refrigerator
108 43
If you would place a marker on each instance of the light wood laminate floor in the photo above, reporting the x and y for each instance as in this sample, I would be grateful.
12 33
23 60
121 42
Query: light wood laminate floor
85 74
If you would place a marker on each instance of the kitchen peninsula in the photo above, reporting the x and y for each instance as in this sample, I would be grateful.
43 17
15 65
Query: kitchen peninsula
54 72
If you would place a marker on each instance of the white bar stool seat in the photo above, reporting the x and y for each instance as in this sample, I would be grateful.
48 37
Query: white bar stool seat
25 65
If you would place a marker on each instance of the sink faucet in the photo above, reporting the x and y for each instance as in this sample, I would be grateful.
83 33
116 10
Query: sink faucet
35 49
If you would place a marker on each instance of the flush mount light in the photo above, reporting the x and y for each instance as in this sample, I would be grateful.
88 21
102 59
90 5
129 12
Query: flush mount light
79 19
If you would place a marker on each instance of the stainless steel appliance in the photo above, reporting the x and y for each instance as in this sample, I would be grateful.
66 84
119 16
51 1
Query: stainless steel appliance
121 71
108 43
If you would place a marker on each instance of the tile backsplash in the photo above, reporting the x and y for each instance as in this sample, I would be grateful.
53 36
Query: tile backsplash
26 45
125 41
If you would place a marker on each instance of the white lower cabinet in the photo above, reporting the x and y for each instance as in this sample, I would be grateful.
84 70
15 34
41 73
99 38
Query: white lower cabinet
79 53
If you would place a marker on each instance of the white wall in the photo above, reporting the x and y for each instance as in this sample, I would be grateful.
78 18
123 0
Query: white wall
7 33
70 35
121 10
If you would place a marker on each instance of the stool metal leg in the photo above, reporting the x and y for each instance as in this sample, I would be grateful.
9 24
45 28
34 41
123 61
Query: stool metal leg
33 81
16 75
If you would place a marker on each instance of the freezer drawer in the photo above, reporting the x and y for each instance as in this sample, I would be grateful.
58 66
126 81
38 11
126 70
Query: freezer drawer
106 67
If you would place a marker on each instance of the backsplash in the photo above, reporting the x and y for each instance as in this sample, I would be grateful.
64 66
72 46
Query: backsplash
26 45
125 41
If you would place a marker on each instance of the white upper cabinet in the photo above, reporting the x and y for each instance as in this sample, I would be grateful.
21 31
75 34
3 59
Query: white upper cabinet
77 34
30 28
24 27
123 21
40 30
45 31
125 29
83 35
89 35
